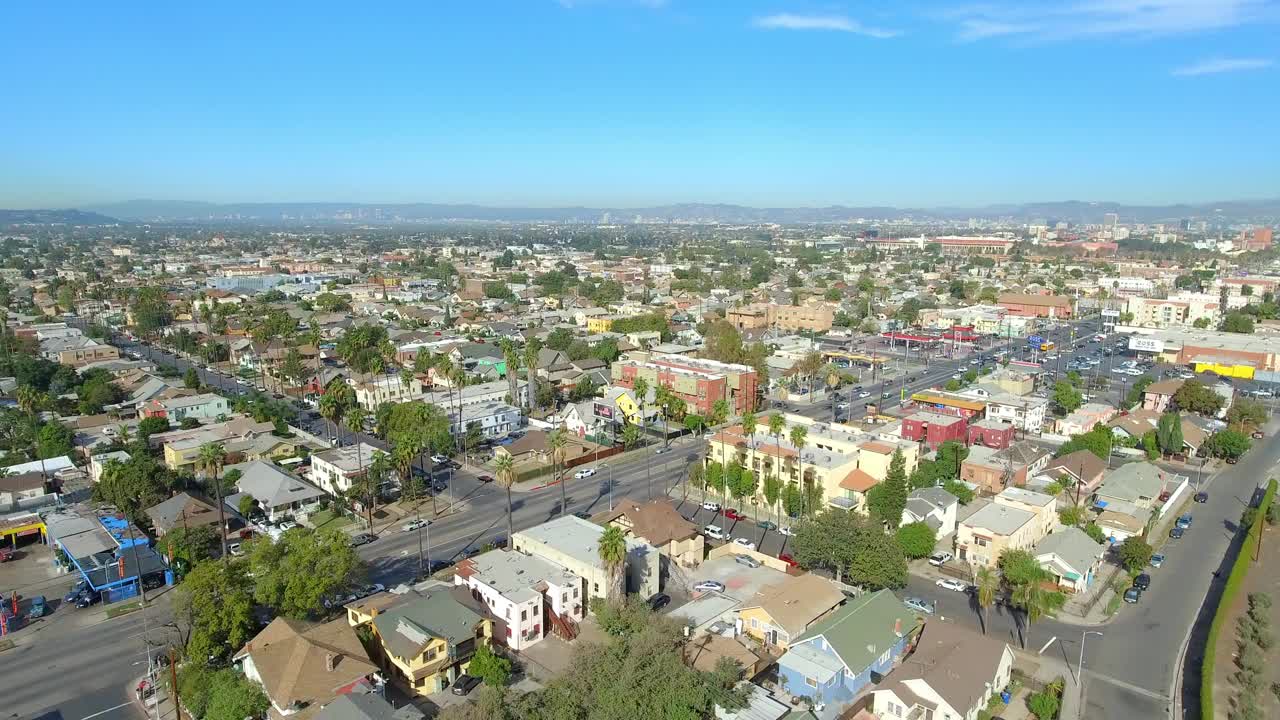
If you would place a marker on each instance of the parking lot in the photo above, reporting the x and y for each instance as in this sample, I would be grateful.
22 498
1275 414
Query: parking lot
769 542
32 574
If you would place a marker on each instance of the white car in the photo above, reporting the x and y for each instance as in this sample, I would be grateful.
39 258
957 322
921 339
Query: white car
439 459
744 542
413 525
712 506
288 525
864 394
715 532
940 558
952 584
585 473
786 530
709 586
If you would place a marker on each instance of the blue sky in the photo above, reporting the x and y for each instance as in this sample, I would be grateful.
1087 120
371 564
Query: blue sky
637 102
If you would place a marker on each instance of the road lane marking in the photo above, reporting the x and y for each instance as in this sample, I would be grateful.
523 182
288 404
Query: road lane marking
104 712
1128 686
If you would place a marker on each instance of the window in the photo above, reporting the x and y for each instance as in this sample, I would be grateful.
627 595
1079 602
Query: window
508 633
755 623
811 682
524 615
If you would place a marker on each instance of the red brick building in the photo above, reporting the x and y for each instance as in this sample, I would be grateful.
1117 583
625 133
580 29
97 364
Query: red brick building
699 382
1042 306
991 433
934 429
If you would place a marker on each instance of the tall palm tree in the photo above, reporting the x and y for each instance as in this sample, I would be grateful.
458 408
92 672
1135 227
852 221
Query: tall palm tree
1033 599
777 426
331 410
511 360
799 438
406 450
504 474
210 460
641 388
30 400
613 553
372 482
987 585
557 441
531 350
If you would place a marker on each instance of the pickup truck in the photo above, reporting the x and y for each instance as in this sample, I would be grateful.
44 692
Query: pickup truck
6 554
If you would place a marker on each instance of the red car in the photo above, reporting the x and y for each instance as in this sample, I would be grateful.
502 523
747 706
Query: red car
790 561
733 514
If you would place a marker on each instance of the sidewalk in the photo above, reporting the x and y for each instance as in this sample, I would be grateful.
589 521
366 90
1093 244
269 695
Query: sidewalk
158 705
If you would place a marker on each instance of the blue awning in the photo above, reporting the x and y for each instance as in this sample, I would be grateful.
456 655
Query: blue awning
1099 503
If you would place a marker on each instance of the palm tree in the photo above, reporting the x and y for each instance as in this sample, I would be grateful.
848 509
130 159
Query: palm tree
777 426
511 359
504 474
557 441
531 349
1033 599
988 584
641 388
372 481
799 438
613 553
30 399
210 460
331 410
406 450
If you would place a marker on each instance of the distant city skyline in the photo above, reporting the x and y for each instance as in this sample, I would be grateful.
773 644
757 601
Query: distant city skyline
635 103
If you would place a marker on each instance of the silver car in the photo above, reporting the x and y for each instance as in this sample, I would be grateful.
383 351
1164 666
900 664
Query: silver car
709 586
920 605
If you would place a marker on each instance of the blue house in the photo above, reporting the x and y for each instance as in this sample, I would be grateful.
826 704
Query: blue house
851 650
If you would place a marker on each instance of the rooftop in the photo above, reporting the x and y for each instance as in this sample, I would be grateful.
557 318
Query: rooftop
1000 519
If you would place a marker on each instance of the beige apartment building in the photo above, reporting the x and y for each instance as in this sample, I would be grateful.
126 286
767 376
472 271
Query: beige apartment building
1178 311
790 318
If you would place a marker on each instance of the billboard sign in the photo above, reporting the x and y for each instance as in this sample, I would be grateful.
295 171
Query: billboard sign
604 411
1146 344
1110 313
1035 340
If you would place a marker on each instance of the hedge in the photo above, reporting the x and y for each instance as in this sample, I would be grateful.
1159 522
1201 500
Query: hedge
1235 581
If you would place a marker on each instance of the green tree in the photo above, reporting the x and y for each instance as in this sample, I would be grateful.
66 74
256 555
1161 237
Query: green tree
190 545
54 440
917 540
1245 413
1237 322
888 499
232 696
793 500
962 492
1066 398
612 548
490 667
1195 396
799 438
1169 433
191 380
772 489
1137 389
1230 444
210 460
986 588
504 474
215 603
296 573
1135 553
134 485
851 546
1151 444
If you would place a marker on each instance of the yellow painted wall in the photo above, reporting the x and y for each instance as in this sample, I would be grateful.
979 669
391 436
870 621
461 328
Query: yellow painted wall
1235 371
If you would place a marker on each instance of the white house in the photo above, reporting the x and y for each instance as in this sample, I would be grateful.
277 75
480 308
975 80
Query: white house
933 506
573 543
495 420
952 674
337 469
528 595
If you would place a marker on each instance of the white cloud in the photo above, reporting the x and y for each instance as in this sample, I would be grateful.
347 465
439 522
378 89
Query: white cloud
1222 65
837 23
1086 18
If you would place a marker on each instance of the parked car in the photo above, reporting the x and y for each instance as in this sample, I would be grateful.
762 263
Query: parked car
1183 521
76 591
362 539
709 586
6 554
439 459
713 507
732 514
1142 582
746 560
38 607
1157 560
464 684
766 525
584 473
952 584
235 549
790 561
920 605
787 531
939 559
85 599
1257 435
1201 497
714 532
659 601
744 542
1132 595
1176 532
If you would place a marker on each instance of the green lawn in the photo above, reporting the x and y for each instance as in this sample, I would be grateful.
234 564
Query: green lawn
328 520
123 608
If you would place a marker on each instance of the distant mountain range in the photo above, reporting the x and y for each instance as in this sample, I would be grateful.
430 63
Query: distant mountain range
52 217
1261 211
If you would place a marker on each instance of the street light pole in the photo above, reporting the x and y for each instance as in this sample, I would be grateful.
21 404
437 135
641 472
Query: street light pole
610 481
1080 666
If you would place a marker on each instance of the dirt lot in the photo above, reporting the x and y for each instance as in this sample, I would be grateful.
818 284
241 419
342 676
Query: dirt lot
1264 577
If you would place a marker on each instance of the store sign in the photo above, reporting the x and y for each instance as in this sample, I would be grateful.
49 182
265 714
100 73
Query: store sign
1143 344
1110 313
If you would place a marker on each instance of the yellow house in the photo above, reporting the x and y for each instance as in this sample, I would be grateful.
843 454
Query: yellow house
422 640
842 461
600 324
785 609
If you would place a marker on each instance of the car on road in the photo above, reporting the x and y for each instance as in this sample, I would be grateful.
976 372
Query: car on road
1142 582
709 586
485 478
1257 435
939 559
746 560
584 473
715 532
732 514
1132 595
1157 560
78 589
464 684
766 525
713 507
952 584
864 395
662 451
362 539
1175 532
1183 521
787 531
744 542
659 601
928 607
439 459
414 525
1201 497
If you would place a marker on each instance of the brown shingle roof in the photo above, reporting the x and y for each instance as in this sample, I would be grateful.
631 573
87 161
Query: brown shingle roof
797 601
656 521
858 480
957 664
293 661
